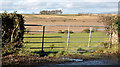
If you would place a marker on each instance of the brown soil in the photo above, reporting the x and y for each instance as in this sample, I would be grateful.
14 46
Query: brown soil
61 20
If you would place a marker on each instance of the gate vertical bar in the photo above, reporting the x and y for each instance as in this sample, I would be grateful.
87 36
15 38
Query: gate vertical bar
110 38
89 37
68 37
43 38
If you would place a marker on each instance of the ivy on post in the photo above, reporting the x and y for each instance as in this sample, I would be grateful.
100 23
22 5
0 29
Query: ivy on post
119 34
113 21
119 30
115 32
119 22
110 38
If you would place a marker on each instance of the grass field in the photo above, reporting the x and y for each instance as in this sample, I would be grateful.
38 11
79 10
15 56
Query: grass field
63 38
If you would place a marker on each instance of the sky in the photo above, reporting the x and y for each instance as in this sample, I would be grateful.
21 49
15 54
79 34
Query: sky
67 6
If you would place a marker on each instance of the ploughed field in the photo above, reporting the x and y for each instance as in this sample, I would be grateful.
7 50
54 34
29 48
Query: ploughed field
61 20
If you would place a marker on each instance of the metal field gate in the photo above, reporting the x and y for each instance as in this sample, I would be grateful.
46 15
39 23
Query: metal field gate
70 37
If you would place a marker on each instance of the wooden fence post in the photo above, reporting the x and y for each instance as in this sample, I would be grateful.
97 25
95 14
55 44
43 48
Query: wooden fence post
90 37
68 37
43 38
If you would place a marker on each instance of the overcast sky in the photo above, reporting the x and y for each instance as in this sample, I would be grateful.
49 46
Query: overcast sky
67 6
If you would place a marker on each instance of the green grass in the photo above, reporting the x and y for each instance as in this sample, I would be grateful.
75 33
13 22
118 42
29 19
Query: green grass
78 45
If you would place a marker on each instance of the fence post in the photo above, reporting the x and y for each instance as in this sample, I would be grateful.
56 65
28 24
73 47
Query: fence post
68 37
89 37
43 38
110 38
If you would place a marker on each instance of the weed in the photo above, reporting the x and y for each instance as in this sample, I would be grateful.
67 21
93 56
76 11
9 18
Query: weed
60 31
52 46
42 18
66 31
64 20
25 50
80 49
27 30
53 20
105 44
87 30
60 53
51 54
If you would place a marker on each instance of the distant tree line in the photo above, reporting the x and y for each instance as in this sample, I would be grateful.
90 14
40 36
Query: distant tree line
48 12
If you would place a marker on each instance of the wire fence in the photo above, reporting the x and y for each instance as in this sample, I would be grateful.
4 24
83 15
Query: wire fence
67 36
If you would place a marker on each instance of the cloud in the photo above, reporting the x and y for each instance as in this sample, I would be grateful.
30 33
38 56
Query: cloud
101 0
35 1
73 6
68 5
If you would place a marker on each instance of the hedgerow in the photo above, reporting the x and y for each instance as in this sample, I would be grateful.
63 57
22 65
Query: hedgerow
12 32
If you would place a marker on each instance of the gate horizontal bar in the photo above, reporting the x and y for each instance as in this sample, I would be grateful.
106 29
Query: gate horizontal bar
44 42
59 47
99 36
64 25
45 47
86 41
39 31
46 37
69 42
88 37
70 37
32 25
79 51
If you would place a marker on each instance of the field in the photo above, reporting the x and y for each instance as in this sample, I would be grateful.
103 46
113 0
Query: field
61 20
63 38
64 19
